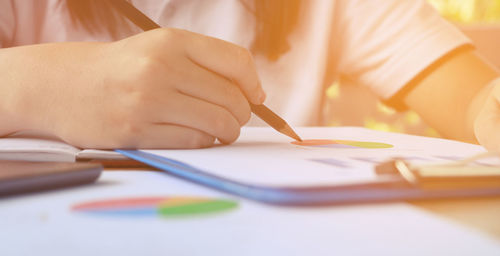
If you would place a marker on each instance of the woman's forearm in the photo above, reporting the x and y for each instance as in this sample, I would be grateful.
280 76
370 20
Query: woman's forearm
449 95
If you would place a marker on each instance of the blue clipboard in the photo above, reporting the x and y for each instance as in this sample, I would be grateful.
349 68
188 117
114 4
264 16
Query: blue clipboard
394 190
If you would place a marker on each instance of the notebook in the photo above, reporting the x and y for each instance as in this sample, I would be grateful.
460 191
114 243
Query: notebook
35 147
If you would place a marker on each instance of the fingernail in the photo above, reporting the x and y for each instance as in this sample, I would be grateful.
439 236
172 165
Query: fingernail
262 97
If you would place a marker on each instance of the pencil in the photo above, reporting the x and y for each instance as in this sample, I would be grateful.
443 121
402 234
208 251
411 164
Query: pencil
263 112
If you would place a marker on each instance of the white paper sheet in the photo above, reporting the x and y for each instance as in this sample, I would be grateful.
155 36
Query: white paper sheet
261 156
43 224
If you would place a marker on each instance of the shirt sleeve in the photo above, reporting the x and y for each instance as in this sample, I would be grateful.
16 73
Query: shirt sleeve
7 23
384 44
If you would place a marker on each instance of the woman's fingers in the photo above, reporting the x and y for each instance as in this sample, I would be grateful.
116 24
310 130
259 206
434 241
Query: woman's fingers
208 86
172 136
487 124
197 114
229 60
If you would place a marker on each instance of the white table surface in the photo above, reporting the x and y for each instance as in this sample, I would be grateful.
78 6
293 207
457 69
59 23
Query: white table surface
43 224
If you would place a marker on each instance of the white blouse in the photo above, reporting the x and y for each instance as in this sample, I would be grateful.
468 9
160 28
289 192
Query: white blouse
381 44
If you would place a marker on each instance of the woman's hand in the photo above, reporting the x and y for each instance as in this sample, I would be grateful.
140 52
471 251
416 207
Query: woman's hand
164 88
487 122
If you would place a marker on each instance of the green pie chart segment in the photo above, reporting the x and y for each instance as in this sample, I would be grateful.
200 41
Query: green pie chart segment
155 206
342 144
197 208
364 144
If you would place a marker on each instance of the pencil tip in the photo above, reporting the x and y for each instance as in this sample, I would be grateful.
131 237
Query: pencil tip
296 137
289 132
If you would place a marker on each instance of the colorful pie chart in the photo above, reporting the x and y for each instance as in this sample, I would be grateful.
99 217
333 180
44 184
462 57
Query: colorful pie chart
342 144
155 206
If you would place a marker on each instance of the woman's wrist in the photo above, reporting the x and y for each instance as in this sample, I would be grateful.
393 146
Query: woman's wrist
9 118
10 121
23 76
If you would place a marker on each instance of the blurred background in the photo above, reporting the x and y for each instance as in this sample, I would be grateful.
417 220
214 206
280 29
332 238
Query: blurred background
479 19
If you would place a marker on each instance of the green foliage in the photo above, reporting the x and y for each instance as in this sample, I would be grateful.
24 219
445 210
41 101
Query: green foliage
469 11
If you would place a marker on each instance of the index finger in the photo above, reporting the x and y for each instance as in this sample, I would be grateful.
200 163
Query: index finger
229 60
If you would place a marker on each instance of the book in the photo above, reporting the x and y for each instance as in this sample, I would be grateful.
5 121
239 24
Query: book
35 147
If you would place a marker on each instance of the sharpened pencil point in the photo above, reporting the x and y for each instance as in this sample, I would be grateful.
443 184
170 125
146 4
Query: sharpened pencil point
287 130
274 120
